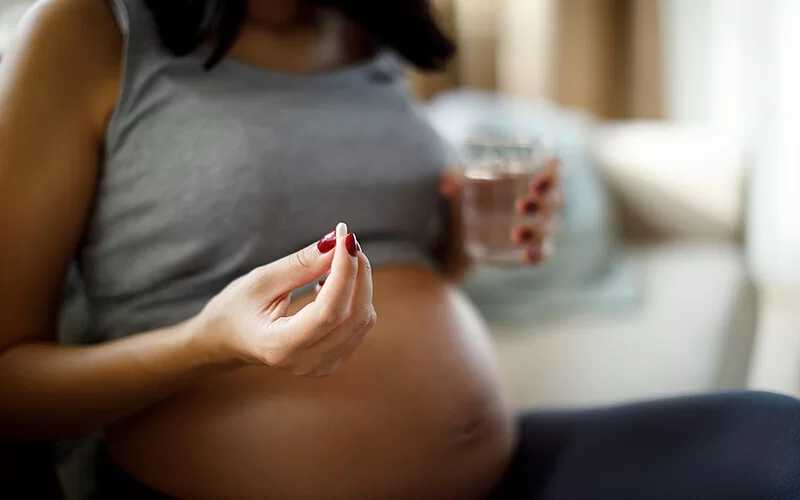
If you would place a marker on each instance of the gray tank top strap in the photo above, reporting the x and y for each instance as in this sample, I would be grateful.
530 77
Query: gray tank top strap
138 29
143 56
122 14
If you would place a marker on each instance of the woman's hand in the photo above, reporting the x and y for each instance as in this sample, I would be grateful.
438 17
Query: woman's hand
544 198
248 320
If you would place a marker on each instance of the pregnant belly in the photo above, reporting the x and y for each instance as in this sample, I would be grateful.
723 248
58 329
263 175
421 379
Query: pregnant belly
417 413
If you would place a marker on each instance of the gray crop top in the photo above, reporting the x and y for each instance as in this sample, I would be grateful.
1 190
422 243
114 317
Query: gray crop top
207 175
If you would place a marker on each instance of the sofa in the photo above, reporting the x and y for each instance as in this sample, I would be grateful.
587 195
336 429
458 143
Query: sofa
679 192
648 293
710 224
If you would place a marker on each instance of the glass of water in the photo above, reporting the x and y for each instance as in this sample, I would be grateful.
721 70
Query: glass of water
496 172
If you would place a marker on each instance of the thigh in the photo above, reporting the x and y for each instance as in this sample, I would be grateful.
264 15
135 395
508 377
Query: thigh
737 446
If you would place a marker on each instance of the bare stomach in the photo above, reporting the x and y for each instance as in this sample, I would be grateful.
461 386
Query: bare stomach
418 412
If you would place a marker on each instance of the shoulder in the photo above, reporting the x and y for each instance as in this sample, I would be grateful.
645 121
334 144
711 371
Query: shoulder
70 47
71 27
69 16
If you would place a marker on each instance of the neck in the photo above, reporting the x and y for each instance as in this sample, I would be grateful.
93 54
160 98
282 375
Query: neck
280 13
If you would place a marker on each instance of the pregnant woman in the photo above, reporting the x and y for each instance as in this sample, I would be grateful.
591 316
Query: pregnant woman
178 150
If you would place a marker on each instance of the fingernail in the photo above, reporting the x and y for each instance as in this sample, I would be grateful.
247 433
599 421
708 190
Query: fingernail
520 236
321 283
530 207
544 186
327 243
535 255
352 245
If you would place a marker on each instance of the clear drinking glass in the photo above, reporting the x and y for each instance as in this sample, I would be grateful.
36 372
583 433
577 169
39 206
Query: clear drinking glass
497 171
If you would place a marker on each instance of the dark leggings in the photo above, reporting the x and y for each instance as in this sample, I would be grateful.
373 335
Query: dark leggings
736 446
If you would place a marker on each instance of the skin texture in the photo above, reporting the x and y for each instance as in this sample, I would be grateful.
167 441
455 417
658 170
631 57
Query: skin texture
416 412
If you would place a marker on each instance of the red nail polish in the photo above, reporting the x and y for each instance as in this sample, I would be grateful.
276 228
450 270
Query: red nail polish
352 245
321 283
327 243
544 187
524 236
531 207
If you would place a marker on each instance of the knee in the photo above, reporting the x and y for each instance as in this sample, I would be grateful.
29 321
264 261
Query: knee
765 416
782 411
766 428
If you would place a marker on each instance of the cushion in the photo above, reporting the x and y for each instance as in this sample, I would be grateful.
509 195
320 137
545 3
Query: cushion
585 269
680 180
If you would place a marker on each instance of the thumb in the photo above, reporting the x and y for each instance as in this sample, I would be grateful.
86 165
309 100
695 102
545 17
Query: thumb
297 269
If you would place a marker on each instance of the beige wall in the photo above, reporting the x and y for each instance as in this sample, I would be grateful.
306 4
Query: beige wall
600 55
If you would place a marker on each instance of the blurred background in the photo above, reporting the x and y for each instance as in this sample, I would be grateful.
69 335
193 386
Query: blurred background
678 270
687 111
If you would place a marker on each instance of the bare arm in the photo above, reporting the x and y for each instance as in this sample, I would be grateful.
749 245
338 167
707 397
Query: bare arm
58 85
56 90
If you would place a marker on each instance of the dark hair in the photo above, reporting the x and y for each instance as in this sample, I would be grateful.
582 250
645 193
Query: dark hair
407 26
